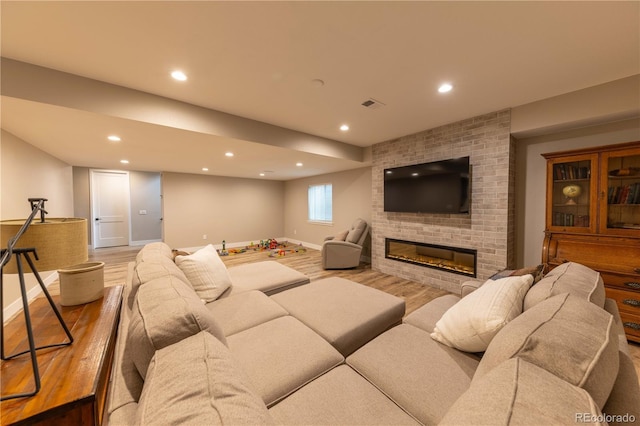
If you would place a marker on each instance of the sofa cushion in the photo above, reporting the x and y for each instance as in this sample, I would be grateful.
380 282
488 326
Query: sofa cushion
470 324
519 393
206 272
339 397
154 250
244 310
426 317
624 401
165 311
196 381
344 313
268 276
282 355
565 335
151 269
570 277
420 375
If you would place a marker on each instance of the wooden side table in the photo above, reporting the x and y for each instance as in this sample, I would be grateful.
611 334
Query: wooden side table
74 378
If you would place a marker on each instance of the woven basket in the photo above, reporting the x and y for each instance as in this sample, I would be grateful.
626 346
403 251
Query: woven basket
81 283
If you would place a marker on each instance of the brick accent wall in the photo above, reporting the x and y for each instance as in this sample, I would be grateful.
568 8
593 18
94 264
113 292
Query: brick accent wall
490 228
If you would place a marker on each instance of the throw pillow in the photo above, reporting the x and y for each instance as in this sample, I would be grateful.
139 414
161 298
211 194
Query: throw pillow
341 236
206 272
536 271
470 324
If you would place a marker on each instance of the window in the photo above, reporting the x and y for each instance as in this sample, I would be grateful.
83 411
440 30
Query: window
320 203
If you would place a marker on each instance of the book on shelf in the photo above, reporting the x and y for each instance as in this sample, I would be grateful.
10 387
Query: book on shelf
566 171
570 219
624 194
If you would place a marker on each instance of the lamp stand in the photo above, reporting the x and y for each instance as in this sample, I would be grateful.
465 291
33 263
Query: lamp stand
36 205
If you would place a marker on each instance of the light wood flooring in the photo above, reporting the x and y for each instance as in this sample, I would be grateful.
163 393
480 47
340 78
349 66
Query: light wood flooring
309 263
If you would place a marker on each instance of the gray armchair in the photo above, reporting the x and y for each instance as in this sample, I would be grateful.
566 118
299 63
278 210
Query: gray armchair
342 251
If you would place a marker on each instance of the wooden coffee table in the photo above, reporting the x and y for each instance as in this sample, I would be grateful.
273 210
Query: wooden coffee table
74 378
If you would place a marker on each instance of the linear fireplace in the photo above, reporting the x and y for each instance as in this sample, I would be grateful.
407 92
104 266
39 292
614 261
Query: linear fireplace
450 259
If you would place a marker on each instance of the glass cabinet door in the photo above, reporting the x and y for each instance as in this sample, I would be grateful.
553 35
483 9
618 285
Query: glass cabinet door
620 193
570 191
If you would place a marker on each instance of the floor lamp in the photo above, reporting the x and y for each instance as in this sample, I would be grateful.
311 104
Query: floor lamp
60 243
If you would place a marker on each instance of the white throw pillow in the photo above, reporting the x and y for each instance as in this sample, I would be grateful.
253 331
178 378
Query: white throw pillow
206 272
470 324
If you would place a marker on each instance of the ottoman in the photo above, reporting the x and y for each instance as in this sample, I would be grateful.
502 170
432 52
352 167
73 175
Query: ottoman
268 276
344 313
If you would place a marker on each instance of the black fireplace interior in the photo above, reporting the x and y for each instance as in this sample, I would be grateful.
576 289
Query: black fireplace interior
451 259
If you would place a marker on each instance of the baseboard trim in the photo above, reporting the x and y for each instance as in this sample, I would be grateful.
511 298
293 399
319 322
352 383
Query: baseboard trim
16 306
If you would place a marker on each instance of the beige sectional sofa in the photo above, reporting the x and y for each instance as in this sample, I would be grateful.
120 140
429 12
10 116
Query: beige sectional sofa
333 352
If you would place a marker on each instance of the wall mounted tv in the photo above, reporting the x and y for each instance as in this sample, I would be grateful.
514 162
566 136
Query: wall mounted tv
436 187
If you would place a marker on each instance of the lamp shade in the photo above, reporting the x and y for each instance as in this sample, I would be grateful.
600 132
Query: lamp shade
59 242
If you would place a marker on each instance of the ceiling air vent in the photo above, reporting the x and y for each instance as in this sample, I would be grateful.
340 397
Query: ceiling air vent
372 104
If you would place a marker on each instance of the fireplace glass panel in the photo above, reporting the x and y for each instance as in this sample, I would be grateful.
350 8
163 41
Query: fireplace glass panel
451 259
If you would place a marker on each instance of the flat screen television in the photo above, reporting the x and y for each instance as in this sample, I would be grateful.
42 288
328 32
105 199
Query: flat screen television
435 187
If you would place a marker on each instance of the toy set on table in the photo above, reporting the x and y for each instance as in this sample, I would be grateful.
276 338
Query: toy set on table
276 249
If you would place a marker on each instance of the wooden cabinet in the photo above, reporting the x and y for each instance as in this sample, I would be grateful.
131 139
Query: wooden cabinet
593 218
74 378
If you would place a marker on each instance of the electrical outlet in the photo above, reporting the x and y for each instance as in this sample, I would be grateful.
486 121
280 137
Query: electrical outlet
204 236
142 212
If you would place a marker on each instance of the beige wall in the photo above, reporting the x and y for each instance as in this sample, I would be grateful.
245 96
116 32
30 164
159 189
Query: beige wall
26 172
82 198
351 199
605 103
231 209
531 177
146 196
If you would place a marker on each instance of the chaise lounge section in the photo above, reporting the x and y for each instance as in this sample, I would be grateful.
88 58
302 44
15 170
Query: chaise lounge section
333 352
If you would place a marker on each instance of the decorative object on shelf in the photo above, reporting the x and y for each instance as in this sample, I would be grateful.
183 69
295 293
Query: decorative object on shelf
629 171
54 243
571 192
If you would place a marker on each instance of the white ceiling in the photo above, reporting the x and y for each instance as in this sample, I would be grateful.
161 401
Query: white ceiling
258 60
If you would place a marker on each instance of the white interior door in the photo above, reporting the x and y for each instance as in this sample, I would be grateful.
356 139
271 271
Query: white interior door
110 208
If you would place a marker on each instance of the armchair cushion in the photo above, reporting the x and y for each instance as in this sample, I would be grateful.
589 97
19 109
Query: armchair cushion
355 233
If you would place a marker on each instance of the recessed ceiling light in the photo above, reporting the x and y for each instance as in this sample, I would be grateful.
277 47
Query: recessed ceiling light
205 169
262 174
228 154
344 127
124 161
445 87
299 164
179 75
114 138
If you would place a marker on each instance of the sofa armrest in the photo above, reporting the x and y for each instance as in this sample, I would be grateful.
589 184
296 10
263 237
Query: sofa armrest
468 287
342 245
